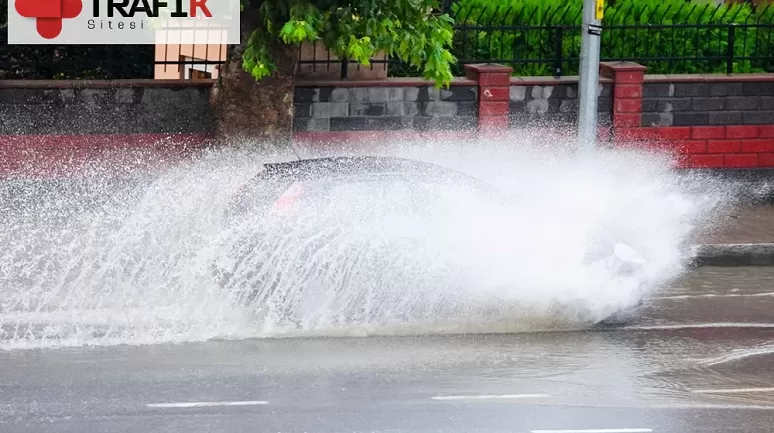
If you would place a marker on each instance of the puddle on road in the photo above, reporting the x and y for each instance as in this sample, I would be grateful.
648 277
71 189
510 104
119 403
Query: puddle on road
712 331
751 281
734 297
660 366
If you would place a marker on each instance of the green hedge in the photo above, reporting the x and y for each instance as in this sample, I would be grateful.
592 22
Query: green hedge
694 34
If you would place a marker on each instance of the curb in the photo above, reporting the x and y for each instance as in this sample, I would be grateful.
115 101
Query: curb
761 254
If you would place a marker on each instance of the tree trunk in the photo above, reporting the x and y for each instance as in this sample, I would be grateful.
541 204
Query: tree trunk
250 111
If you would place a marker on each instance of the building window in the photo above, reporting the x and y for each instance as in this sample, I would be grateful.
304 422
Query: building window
200 75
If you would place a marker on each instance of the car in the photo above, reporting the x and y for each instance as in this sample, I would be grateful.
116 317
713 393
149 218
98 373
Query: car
417 187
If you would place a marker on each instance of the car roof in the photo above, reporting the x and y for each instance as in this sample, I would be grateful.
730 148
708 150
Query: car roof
322 173
316 168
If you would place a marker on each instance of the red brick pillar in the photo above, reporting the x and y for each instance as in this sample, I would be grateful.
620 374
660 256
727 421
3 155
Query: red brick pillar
494 88
627 94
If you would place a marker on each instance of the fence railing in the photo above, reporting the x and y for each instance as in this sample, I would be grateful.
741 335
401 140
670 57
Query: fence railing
108 61
543 37
188 61
535 37
667 36
49 62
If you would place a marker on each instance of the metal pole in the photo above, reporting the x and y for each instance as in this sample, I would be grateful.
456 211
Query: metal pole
589 73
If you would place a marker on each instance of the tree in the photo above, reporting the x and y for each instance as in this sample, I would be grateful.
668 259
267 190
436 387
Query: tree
253 97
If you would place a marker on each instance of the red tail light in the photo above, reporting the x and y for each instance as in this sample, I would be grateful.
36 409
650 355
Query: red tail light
289 198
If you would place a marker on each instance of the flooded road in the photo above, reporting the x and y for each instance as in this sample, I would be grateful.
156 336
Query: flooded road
697 358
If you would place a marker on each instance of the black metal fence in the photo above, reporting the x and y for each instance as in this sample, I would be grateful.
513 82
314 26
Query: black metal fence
535 37
188 61
50 62
668 37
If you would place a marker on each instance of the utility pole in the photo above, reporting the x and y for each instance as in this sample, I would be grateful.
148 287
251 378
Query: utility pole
593 11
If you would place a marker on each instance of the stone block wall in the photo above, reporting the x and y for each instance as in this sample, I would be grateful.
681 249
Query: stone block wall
403 105
554 102
390 105
119 107
724 102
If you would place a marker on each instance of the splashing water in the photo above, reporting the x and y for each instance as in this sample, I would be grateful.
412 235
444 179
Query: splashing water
156 261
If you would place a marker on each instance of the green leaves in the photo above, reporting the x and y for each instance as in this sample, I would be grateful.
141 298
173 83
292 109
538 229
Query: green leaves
406 29
305 24
426 47
360 50
357 30
256 59
295 32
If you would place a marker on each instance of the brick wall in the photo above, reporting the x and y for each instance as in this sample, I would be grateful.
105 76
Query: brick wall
395 104
709 121
58 128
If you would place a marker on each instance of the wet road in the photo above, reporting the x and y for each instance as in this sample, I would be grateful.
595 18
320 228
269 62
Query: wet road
700 358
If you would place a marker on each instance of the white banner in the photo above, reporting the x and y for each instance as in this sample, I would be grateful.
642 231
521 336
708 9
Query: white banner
123 22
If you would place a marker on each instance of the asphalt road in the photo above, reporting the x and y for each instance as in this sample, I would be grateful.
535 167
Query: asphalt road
698 359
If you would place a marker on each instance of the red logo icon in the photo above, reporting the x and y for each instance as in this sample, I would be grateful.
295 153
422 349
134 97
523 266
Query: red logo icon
49 14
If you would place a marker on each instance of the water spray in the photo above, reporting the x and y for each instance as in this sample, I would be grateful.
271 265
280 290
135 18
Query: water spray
79 269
